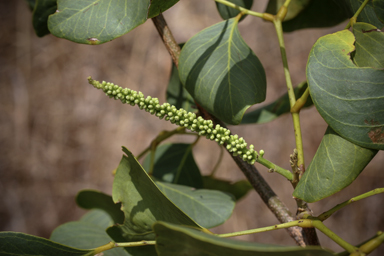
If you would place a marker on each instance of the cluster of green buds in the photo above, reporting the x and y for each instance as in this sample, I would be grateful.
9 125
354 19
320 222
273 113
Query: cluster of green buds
237 146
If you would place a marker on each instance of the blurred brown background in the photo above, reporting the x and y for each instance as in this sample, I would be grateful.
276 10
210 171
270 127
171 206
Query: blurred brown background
58 135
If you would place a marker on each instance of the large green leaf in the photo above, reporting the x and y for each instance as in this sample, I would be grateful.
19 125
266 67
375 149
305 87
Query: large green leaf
221 72
87 233
335 165
209 208
318 14
349 98
91 199
174 163
42 9
368 14
378 6
173 240
177 95
275 109
294 8
158 6
142 202
14 243
237 189
368 41
227 12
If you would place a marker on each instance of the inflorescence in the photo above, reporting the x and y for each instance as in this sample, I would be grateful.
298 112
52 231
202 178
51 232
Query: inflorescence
235 145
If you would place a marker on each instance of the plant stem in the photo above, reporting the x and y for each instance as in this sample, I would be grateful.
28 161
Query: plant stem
112 245
372 244
327 214
292 99
274 168
218 162
277 207
243 10
354 18
179 168
300 102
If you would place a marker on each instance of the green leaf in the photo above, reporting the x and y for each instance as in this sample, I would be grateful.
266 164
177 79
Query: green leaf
277 108
173 240
177 95
378 6
142 202
237 189
294 8
96 21
209 208
91 199
221 72
13 243
31 4
318 14
335 165
227 12
368 40
42 10
87 233
174 163
349 98
159 6
368 14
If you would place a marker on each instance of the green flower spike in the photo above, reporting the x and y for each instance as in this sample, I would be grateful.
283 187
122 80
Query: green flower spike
237 146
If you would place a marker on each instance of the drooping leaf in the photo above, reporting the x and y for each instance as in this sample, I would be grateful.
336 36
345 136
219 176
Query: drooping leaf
227 12
14 243
177 95
275 109
96 21
91 199
318 14
378 6
237 189
159 6
143 204
294 8
87 233
173 240
368 41
368 15
336 164
209 208
175 163
349 98
221 72
42 10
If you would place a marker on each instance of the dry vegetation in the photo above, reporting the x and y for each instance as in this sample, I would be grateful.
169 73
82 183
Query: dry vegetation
58 135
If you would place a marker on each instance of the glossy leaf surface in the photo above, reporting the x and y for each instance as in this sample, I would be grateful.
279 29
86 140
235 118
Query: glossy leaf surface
349 98
142 202
275 109
209 208
294 8
42 9
368 41
175 240
91 199
177 95
221 72
87 233
227 12
175 163
336 164
238 189
14 243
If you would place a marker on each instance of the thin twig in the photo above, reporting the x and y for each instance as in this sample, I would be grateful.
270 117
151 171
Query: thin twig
266 193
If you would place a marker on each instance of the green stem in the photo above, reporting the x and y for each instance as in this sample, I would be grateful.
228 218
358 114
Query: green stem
243 10
354 18
112 245
327 214
180 167
218 162
372 244
292 98
300 102
273 167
